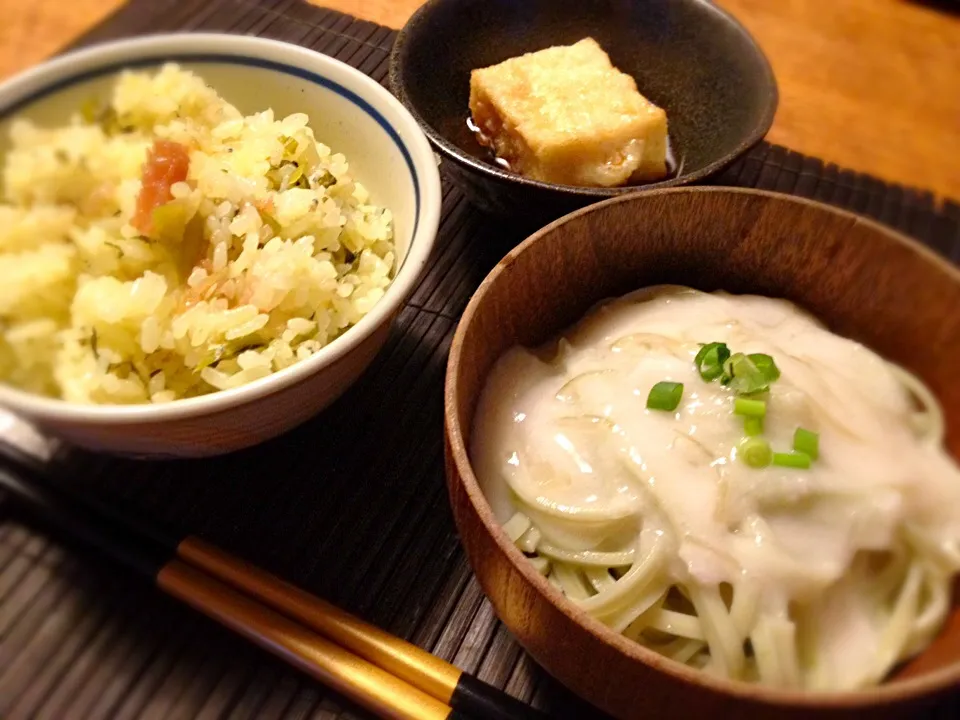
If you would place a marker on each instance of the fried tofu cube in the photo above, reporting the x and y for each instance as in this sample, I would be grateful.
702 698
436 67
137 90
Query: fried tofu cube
567 115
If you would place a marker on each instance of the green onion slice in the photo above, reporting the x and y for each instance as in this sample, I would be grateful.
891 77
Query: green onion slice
792 460
749 408
756 452
665 396
765 364
807 442
710 360
748 374
742 376
753 425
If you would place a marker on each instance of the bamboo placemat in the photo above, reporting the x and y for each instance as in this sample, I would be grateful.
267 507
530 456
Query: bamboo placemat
350 506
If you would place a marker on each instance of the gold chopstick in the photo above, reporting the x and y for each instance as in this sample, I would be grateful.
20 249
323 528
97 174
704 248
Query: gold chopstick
428 673
403 659
388 675
368 685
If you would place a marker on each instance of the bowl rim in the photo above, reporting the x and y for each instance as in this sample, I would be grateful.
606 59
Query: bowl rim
365 93
504 177
885 693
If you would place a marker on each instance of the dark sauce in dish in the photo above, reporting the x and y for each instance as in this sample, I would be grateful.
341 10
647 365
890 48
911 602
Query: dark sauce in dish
466 139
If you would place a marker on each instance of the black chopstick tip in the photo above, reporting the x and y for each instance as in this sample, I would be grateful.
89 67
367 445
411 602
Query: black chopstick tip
74 521
457 715
476 699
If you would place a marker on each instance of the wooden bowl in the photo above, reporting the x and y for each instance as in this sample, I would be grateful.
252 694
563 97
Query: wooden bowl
865 281
688 56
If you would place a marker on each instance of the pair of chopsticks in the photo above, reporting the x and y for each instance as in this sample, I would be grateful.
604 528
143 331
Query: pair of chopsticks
387 675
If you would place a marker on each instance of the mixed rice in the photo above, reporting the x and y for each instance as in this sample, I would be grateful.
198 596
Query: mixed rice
165 246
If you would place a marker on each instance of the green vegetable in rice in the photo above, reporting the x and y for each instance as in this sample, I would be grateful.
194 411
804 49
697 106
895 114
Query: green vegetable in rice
203 284
170 221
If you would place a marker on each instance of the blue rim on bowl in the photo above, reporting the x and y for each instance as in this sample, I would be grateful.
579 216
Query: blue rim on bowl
201 58
278 56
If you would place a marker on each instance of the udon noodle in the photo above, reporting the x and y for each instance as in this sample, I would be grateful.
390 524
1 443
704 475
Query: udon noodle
801 531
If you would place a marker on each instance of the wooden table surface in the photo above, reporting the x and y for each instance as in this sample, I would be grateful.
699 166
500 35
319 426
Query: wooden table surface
872 85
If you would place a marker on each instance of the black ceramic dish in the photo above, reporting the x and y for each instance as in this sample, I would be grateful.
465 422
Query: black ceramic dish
688 56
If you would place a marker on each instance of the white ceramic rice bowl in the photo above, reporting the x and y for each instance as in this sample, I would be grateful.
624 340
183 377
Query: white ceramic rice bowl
349 112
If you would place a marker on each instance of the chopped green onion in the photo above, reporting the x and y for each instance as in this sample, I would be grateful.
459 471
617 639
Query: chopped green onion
807 442
753 425
665 396
792 460
728 369
750 408
710 360
756 452
766 365
743 376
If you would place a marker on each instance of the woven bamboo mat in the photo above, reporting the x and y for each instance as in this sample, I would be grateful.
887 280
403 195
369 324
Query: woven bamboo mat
351 506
